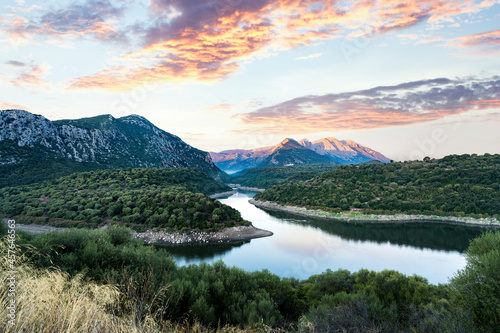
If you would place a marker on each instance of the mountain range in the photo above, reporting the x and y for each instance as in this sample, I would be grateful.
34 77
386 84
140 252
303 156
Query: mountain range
291 152
29 141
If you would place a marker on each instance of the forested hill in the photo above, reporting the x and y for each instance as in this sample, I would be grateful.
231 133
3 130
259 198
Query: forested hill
165 198
264 177
454 185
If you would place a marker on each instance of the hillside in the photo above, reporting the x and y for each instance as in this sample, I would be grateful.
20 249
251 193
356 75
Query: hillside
265 177
288 152
33 148
465 185
163 198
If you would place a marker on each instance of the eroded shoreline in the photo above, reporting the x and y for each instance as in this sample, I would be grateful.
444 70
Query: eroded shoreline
374 218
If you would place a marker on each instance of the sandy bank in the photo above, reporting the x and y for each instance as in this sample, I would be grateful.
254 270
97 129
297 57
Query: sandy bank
359 217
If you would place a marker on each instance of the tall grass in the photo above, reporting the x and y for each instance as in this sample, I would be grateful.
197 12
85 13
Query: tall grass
50 301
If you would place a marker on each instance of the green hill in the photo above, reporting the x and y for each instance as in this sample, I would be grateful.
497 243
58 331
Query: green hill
465 185
165 198
265 177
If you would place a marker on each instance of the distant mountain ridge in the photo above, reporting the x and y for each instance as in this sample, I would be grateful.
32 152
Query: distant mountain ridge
291 152
343 152
97 142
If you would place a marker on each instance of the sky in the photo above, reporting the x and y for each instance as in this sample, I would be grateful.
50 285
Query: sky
408 79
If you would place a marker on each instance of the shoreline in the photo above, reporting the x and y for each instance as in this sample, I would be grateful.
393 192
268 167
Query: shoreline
374 218
222 194
245 188
226 235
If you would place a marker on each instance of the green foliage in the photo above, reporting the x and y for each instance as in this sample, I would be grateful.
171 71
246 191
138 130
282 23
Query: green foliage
36 165
214 294
465 185
478 284
139 198
263 178
217 293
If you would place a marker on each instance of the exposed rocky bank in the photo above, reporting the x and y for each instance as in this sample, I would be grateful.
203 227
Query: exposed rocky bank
233 234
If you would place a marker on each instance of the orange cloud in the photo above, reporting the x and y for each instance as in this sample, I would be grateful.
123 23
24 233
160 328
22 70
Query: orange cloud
206 41
404 104
487 39
32 76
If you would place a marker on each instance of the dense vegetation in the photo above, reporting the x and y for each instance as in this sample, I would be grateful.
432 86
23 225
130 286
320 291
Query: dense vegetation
454 185
153 291
263 178
166 198
36 165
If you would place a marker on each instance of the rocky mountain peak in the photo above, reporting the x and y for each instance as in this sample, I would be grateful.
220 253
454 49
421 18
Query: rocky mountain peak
288 144
130 141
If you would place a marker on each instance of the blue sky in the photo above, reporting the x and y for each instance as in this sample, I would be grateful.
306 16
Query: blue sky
407 79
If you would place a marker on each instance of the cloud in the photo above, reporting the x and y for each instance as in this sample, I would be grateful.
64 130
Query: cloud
8 106
489 40
86 20
32 76
385 106
312 56
208 40
431 39
15 63
220 108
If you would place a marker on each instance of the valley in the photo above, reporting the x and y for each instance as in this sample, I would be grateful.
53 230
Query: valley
127 205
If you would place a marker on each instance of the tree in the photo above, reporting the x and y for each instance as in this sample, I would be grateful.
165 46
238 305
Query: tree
478 284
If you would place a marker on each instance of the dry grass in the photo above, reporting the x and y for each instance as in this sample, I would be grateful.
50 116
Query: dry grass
50 301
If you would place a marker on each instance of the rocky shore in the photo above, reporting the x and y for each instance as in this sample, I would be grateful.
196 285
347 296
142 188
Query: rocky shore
233 234
359 217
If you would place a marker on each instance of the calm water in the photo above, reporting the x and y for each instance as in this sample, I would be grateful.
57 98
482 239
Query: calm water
301 247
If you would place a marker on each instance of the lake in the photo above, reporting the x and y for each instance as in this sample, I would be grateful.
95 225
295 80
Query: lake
301 247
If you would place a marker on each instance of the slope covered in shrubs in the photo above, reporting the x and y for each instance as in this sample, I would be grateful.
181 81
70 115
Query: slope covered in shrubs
465 185
173 199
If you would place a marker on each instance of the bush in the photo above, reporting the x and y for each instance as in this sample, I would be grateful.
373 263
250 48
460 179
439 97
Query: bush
478 284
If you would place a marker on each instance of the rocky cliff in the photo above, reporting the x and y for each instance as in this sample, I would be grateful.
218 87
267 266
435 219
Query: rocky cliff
102 141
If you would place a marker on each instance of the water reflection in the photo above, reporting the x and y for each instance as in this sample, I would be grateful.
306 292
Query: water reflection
436 236
301 247
202 252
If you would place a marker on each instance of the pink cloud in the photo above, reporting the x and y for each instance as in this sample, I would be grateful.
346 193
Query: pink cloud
486 39
204 40
404 104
